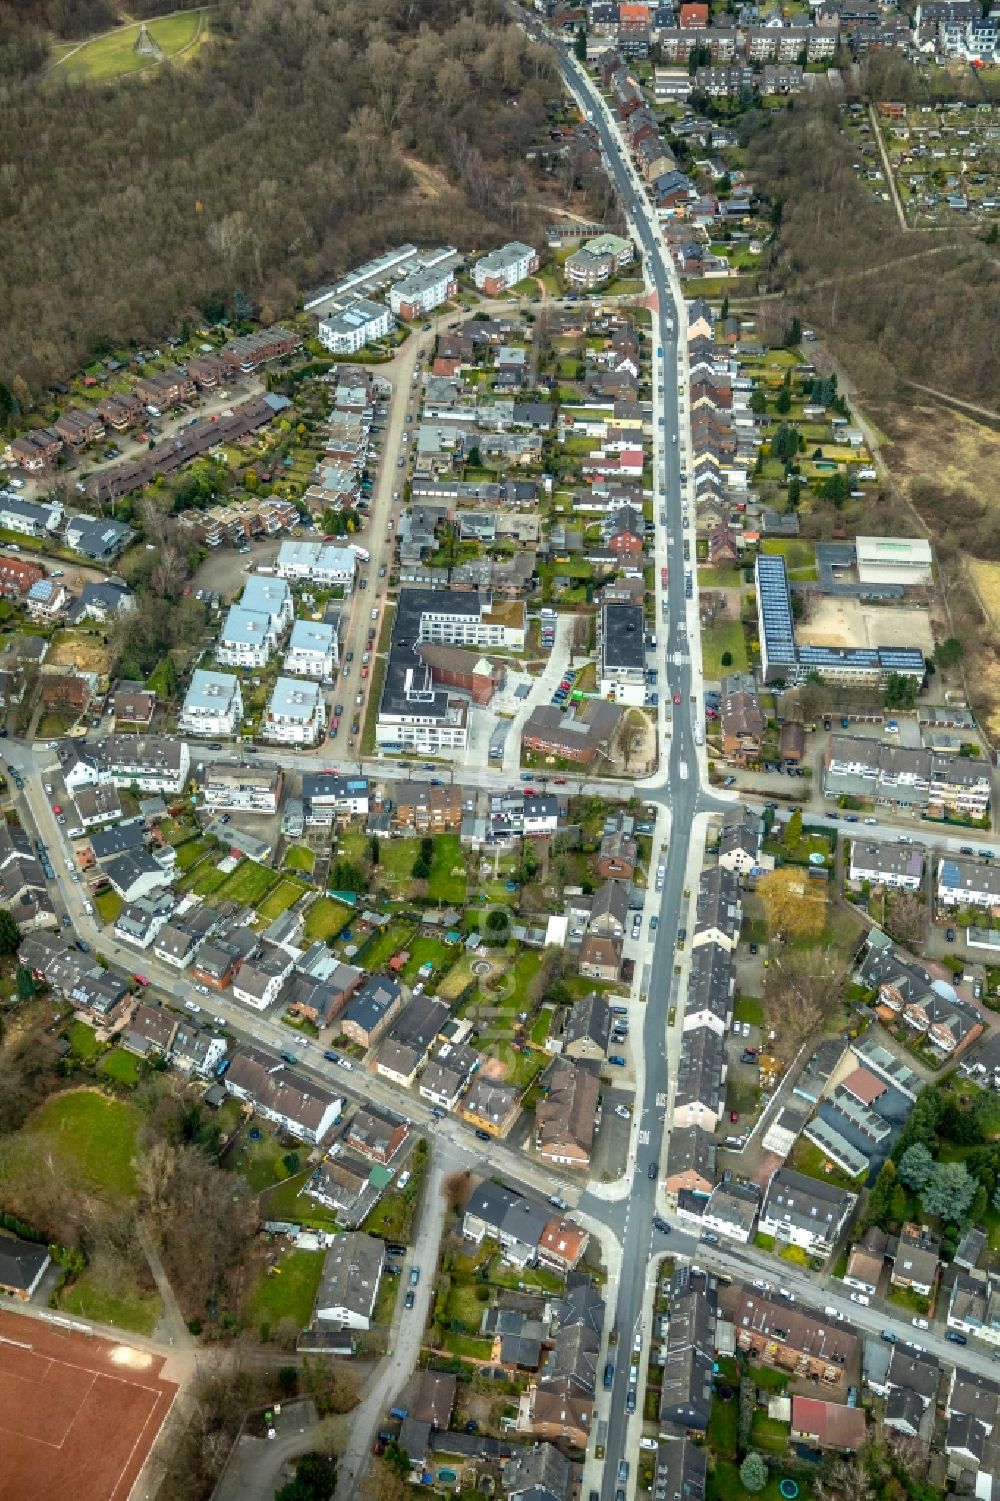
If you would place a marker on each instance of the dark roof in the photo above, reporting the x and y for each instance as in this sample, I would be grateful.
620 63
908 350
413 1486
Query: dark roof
20 1262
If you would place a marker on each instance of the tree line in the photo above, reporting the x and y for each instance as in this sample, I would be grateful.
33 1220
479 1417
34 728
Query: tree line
295 145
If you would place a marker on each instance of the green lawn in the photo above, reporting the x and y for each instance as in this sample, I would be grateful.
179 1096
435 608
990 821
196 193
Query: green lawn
769 1433
284 895
83 1040
298 857
723 1427
121 1066
386 942
425 950
467 1345
719 578
207 879
260 1162
392 1216
746 1008
94 1134
191 851
724 1484
248 883
806 1157
126 1307
287 1292
799 556
113 55
724 636
286 1202
108 904
324 918
447 880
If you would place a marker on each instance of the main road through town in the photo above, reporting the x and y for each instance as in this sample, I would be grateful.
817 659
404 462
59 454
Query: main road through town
632 1217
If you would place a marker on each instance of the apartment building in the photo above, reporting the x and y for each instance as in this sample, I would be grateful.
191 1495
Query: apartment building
505 267
963 882
296 713
230 787
213 705
312 650
361 323
622 653
897 776
423 291
317 563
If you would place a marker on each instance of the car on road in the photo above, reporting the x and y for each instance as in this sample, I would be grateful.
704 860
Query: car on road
483 1135
629 1407
677 698
888 1336
88 907
920 1323
950 935
729 782
191 1006
661 1225
652 1171
609 1375
202 989
622 1113
410 1298
654 923
338 711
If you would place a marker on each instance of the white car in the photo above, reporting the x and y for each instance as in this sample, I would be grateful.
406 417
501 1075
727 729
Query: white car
88 907
622 1112
191 1006
201 989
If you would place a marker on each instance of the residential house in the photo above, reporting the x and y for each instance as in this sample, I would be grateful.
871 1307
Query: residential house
616 858
899 866
566 1117
260 979
587 1029
741 718
690 1166
805 1212
490 1106
731 1210
371 1010
828 1425
282 1095
741 840
781 1335
295 714
917 1260
23 1264
349 1283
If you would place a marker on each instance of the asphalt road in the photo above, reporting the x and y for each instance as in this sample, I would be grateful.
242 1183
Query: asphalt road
680 763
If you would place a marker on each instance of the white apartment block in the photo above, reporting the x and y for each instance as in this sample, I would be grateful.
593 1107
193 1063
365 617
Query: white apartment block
296 713
899 866
504 268
312 650
316 563
252 789
253 627
350 330
423 291
213 704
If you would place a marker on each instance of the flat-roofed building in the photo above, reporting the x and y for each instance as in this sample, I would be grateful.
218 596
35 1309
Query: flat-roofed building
213 704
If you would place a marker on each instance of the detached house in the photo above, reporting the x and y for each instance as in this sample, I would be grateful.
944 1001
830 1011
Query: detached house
805 1212
566 1118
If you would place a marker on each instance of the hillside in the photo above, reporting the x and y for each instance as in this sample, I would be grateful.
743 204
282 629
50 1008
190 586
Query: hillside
301 139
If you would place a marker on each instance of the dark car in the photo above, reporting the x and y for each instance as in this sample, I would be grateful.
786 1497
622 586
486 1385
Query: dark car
661 1225
609 1375
652 1170
409 1300
483 1135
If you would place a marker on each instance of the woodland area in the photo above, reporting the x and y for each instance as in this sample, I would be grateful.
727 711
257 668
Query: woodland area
307 135
890 310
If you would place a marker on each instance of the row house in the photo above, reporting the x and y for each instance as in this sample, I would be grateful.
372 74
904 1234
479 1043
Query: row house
964 882
35 451
168 388
778 1334
898 866
120 411
247 354
291 1100
18 576
928 1006
78 427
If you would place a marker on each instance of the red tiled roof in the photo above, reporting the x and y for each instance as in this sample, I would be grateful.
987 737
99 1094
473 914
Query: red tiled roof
828 1422
864 1086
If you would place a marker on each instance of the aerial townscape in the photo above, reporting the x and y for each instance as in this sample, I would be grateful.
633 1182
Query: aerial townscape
499 718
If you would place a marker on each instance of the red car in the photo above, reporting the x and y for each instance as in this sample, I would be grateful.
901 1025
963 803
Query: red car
140 979
734 1115
529 791
56 809
560 781
677 698
664 576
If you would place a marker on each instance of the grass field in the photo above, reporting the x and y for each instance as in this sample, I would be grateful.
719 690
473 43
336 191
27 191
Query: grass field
91 1135
799 556
324 918
248 883
298 857
83 1040
127 1307
121 1066
724 636
426 951
108 904
284 895
447 880
288 1292
113 54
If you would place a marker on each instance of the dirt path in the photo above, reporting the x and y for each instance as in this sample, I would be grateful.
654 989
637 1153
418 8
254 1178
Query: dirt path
955 401
887 171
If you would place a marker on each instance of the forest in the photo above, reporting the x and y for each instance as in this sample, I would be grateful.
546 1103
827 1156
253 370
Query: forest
893 306
306 135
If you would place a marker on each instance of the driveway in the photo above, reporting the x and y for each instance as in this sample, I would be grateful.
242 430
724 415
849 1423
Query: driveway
405 1332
